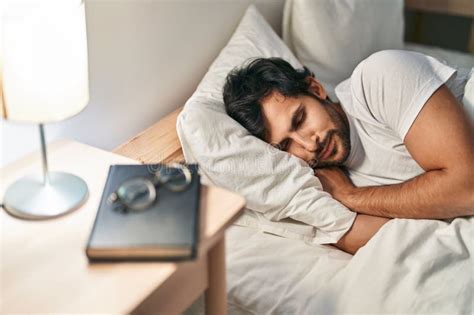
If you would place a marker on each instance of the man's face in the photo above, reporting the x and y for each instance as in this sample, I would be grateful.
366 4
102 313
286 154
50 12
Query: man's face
307 127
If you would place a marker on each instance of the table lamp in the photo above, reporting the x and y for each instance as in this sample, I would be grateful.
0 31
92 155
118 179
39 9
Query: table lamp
43 79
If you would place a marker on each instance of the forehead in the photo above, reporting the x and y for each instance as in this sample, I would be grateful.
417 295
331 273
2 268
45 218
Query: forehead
277 111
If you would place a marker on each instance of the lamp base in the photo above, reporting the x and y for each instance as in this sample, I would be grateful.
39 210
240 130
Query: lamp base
30 198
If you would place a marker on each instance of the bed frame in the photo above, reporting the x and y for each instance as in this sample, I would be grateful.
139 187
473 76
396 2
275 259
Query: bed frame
453 7
160 144
463 8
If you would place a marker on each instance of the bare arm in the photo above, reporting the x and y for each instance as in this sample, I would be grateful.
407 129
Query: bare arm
364 227
441 140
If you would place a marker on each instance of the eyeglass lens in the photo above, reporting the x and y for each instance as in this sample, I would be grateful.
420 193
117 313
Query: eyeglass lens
173 178
136 193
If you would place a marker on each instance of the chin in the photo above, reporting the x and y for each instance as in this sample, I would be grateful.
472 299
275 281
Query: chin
337 158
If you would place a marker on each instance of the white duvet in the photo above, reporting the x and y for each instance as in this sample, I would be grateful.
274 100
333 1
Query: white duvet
409 266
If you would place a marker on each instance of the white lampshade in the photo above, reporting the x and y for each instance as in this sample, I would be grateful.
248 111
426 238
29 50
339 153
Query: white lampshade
44 56
43 78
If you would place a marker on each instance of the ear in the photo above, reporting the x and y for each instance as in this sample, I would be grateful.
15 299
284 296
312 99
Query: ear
317 88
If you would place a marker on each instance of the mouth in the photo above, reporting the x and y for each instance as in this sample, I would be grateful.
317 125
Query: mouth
327 149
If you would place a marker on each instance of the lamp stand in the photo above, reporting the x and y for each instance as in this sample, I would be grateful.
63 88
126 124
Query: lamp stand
53 195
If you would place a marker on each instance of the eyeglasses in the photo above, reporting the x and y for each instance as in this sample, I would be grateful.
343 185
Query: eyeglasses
139 193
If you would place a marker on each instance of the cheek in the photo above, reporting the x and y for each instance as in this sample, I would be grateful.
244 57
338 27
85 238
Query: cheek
299 152
318 120
340 149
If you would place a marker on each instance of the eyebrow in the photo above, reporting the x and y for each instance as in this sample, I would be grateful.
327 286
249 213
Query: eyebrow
294 121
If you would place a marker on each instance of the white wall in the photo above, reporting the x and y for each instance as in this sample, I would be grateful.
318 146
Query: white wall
145 59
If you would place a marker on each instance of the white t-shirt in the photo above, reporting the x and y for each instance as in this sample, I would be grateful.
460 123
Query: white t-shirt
382 99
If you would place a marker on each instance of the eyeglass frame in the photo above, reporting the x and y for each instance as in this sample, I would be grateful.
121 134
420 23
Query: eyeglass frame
152 186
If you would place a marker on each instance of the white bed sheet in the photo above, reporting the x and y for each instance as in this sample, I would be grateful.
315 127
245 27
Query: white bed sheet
268 274
410 266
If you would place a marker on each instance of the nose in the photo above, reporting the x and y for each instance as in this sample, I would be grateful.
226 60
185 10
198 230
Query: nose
309 143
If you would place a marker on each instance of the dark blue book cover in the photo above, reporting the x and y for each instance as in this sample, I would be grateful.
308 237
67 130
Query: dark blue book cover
167 230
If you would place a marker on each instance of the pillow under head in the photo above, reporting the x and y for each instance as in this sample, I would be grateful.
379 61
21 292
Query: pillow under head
275 184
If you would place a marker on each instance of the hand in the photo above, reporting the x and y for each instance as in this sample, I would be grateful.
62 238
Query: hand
336 182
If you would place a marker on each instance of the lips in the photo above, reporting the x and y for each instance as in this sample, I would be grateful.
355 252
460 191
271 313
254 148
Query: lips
327 150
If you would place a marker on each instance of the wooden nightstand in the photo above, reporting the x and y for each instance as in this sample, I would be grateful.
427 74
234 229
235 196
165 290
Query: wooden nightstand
44 268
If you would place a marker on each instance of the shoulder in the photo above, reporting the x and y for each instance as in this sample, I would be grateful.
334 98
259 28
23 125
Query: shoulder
401 65
393 62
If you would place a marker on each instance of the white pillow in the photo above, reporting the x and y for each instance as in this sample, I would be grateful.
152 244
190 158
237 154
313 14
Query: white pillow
331 37
275 184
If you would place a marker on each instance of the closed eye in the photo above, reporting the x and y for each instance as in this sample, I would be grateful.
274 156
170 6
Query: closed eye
301 118
297 121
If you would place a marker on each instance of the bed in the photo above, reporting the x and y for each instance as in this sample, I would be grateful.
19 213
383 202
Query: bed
409 265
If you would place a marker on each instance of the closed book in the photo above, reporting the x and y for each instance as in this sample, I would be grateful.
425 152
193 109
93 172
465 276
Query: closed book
166 230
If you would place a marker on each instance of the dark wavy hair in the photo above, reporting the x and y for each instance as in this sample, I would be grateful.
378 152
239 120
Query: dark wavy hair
247 86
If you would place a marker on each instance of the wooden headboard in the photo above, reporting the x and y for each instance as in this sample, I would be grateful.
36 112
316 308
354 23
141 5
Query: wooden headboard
454 7
156 144
450 7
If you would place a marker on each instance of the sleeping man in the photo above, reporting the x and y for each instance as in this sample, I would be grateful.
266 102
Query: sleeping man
397 145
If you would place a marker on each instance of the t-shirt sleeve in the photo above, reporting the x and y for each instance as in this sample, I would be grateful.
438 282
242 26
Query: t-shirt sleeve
392 86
